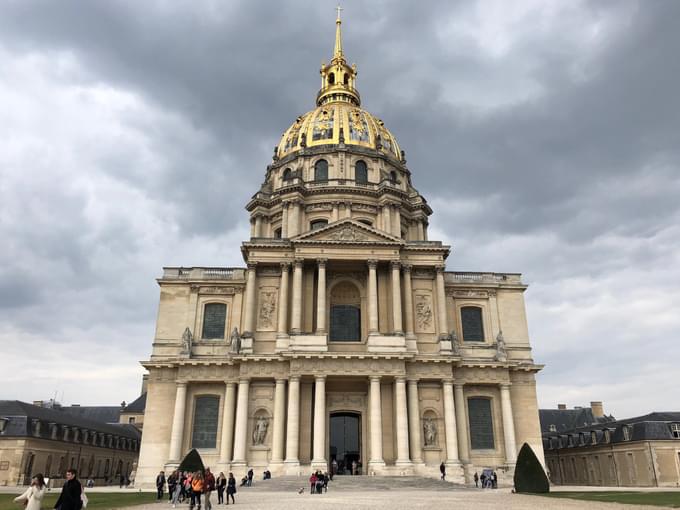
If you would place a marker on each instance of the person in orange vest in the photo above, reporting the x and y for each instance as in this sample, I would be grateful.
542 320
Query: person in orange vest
196 490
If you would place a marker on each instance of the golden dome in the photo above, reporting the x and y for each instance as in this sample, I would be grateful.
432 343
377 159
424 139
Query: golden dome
335 123
338 117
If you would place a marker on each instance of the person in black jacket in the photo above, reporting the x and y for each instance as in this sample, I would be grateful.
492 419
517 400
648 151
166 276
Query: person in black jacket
160 484
231 488
70 497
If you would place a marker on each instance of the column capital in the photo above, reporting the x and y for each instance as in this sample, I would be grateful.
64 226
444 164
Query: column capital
440 269
447 382
252 266
395 264
321 262
181 384
298 262
505 386
244 380
374 378
284 266
230 383
412 379
285 204
372 263
458 384
400 378
280 380
320 378
407 267
294 378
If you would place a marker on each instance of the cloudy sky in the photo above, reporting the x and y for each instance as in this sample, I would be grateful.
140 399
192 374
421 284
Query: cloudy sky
545 135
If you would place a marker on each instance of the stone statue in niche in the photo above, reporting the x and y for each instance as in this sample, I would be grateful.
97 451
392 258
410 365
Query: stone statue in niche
260 430
268 300
455 344
235 342
501 352
187 340
430 432
423 312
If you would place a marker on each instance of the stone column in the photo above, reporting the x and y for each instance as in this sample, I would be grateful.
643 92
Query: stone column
396 298
321 298
284 220
396 221
334 213
372 298
348 210
387 219
241 426
402 421
408 302
461 422
319 454
508 425
376 423
279 423
249 317
294 219
258 226
425 225
177 433
228 423
296 322
252 227
414 421
450 423
293 429
441 304
421 233
282 320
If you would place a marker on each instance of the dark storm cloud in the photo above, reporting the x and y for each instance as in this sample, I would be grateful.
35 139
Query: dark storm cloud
545 135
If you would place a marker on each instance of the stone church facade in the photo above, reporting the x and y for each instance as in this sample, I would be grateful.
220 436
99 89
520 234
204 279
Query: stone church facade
344 341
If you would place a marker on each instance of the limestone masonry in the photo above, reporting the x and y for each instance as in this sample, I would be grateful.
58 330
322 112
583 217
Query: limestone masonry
344 344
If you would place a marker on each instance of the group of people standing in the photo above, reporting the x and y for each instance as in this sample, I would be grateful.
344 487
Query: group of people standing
489 479
186 486
318 482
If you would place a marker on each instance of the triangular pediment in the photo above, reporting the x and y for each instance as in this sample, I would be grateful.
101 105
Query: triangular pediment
347 231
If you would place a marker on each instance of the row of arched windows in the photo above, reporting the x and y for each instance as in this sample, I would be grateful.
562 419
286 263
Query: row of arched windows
321 172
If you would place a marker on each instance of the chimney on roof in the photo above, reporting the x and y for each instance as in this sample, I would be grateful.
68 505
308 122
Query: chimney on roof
145 382
561 407
597 408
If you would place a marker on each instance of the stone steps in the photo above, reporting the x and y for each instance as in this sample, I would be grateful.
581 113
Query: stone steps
356 483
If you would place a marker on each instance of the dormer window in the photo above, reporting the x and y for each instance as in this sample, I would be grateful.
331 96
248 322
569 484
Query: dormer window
593 437
675 430
553 428
393 177
607 436
627 432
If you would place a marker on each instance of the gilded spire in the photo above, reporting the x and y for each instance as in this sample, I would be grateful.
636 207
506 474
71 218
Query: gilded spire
337 51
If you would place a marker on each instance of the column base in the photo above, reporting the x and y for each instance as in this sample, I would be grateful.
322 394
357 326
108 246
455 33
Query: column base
282 342
171 466
375 467
386 344
319 464
454 471
411 343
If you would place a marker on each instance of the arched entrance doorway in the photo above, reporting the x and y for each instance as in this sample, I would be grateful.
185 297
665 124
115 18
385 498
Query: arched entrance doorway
345 323
345 441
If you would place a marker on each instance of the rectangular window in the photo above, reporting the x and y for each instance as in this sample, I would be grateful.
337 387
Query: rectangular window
481 424
214 318
675 430
206 413
471 319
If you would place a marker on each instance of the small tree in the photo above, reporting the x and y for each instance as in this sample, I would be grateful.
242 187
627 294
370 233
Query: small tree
529 474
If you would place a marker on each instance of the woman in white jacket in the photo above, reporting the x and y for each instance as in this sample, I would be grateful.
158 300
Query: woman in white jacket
32 498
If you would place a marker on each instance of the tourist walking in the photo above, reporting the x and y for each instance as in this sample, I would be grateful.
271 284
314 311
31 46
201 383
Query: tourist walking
160 485
476 479
208 488
172 483
442 470
221 484
251 473
231 488
32 498
177 489
494 480
71 493
196 490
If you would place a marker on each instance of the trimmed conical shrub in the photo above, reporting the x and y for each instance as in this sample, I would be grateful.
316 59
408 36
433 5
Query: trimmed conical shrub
192 462
529 474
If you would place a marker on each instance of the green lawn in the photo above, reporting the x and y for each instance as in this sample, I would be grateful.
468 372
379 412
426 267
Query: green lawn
667 499
96 500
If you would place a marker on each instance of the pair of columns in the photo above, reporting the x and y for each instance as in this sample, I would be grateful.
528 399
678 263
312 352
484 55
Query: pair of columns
290 219
296 313
390 218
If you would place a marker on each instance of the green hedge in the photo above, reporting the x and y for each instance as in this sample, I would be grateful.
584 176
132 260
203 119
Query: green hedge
529 474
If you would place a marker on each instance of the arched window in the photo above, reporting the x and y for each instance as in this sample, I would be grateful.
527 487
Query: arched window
361 172
277 233
321 170
317 224
214 318
471 319
345 313
287 174
331 79
481 424
393 177
345 79
204 434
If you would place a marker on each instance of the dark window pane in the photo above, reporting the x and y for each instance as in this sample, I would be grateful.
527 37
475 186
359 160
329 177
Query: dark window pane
361 172
481 426
345 323
214 317
205 422
317 224
471 318
321 170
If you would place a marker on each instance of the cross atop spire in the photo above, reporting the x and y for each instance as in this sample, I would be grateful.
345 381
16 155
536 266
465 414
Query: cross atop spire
337 52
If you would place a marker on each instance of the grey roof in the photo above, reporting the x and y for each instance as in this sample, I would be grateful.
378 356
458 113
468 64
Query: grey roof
21 414
138 406
569 419
102 414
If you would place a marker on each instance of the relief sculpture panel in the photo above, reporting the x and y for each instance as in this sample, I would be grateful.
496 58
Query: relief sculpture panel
424 313
266 318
